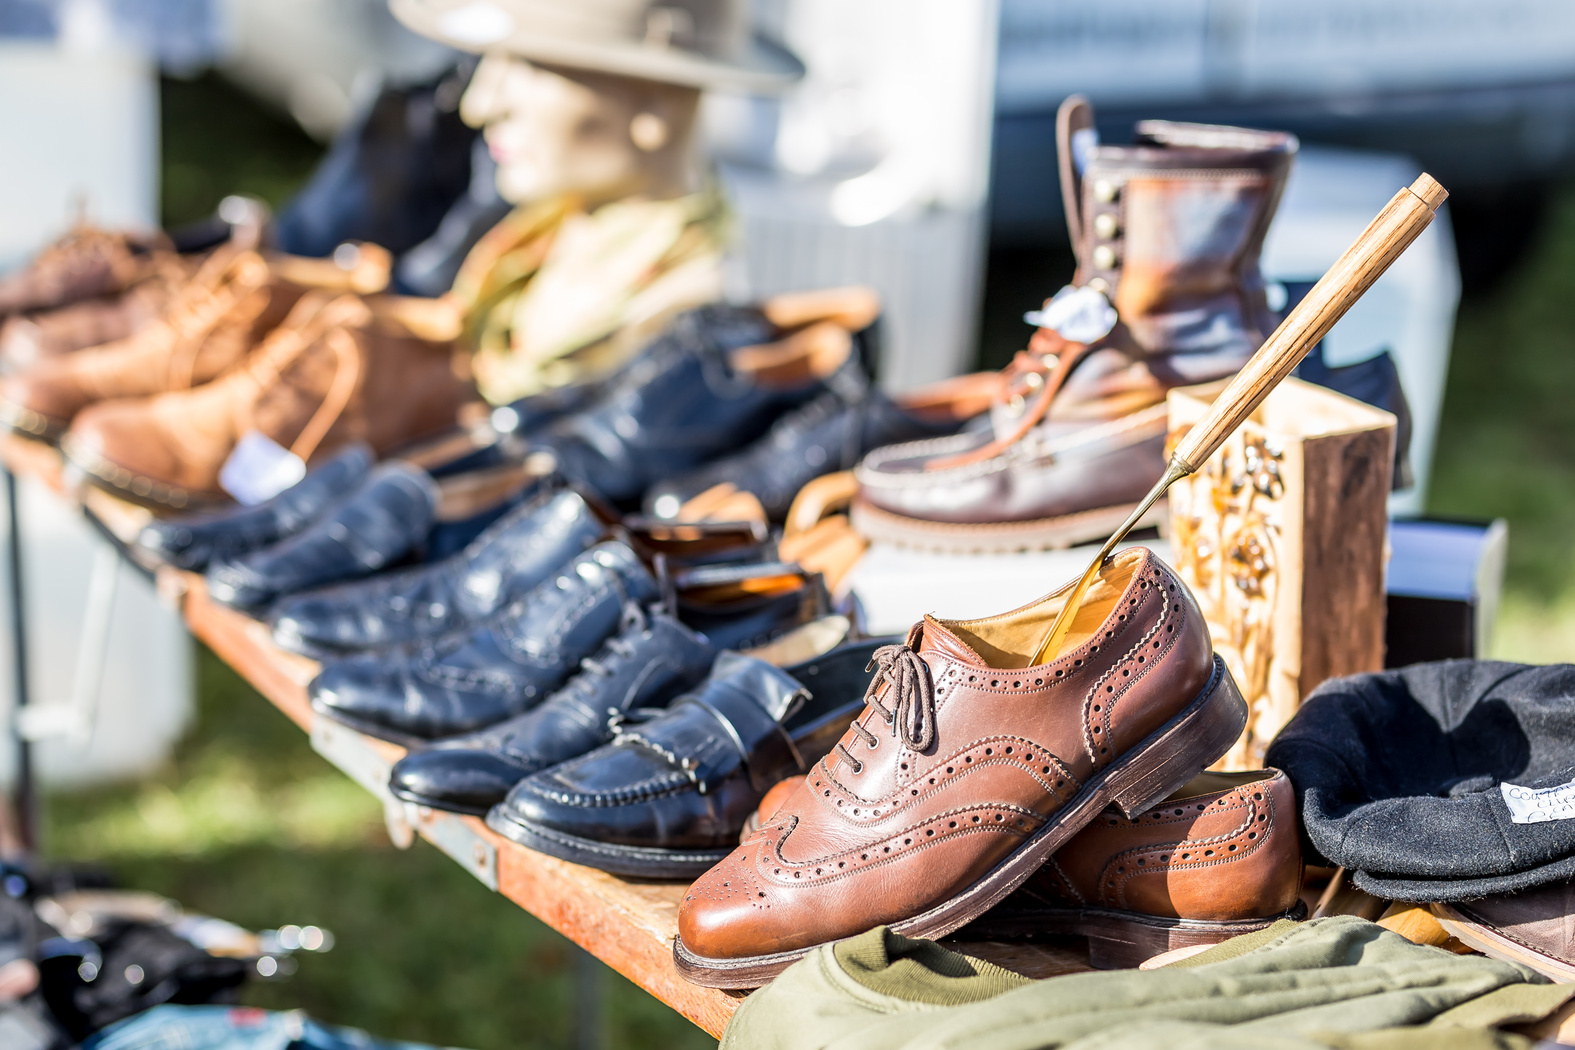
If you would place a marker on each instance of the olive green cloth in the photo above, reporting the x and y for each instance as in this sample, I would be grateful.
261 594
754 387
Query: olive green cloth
1336 982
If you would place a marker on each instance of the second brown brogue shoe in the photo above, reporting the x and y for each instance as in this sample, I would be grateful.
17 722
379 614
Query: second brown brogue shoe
968 768
1219 858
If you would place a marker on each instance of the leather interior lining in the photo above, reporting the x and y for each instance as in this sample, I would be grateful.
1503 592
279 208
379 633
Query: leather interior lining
801 358
1009 641
467 495
1211 783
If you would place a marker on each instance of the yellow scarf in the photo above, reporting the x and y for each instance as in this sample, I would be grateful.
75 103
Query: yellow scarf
554 295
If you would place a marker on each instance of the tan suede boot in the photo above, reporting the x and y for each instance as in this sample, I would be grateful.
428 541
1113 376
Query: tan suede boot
338 370
235 299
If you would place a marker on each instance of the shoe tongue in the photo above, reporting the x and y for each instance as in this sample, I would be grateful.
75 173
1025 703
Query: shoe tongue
937 639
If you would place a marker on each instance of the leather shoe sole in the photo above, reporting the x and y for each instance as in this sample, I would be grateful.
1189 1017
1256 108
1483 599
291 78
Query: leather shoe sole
1058 533
641 862
1117 939
30 424
1171 756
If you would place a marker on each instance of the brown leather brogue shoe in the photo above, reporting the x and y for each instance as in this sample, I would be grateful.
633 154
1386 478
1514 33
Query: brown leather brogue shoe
1218 858
969 767
1167 292
338 370
26 339
234 299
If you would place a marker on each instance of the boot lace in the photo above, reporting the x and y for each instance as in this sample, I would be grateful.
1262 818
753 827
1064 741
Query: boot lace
912 718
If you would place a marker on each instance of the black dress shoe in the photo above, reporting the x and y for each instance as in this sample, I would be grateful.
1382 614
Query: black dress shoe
515 554
649 662
400 514
382 521
829 434
668 797
679 404
470 680
192 542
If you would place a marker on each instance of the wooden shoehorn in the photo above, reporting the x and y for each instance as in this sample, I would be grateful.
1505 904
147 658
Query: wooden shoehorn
1391 233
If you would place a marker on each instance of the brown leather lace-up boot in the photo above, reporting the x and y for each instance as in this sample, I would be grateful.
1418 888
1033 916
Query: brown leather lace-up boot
84 263
968 769
1220 857
235 299
337 370
1167 292
26 339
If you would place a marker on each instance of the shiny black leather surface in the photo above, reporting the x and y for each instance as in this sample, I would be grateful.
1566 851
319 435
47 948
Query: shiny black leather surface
512 556
645 665
387 517
193 541
508 664
830 433
679 404
688 778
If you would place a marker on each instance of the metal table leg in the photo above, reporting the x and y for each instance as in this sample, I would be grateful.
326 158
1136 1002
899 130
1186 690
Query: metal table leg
23 793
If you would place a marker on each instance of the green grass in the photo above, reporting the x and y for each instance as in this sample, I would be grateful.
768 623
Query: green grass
246 822
1507 440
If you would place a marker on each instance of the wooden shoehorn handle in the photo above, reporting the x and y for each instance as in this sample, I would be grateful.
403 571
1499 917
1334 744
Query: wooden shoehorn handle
1401 222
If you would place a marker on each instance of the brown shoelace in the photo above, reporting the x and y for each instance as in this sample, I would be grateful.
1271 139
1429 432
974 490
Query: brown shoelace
912 719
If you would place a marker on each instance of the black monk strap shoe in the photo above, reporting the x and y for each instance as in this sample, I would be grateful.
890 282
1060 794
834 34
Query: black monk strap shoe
470 680
688 399
669 795
192 541
645 665
399 514
419 604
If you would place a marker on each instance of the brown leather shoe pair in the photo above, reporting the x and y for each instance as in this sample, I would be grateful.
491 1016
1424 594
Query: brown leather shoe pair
970 767
1219 858
339 369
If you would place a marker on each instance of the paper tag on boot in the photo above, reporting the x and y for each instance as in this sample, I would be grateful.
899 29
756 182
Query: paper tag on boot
1535 805
259 469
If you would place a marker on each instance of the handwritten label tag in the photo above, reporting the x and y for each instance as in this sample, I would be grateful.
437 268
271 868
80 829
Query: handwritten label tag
259 469
1535 805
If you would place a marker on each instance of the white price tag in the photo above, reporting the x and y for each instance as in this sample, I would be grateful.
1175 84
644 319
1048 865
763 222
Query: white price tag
259 469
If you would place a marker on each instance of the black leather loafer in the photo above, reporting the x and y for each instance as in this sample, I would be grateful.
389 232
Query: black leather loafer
471 680
193 541
650 661
415 605
678 405
668 797
384 520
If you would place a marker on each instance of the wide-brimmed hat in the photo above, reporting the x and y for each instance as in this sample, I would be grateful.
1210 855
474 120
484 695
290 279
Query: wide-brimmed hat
698 43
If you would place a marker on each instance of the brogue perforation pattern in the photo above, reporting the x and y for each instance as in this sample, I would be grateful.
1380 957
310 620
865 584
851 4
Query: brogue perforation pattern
1190 854
773 867
1145 653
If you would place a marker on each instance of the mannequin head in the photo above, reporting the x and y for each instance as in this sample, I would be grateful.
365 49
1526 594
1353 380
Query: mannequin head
553 129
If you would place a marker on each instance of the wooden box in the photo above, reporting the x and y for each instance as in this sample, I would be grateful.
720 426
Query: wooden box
1281 538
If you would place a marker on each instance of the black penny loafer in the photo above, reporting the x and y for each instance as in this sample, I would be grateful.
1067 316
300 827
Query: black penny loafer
191 542
650 661
415 605
668 797
470 680
684 401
